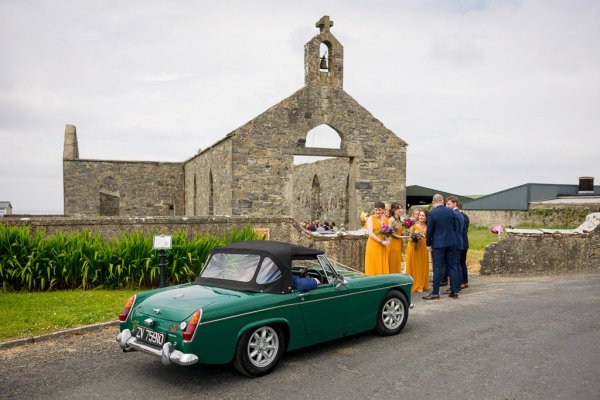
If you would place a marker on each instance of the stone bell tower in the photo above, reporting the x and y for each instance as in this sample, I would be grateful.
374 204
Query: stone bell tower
315 58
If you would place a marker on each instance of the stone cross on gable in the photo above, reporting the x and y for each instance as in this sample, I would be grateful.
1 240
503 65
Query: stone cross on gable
324 24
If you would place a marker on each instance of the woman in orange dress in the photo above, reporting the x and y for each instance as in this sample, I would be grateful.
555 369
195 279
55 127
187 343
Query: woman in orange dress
377 251
417 255
396 242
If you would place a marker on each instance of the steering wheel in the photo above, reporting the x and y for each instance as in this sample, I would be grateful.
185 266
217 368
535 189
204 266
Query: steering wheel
313 273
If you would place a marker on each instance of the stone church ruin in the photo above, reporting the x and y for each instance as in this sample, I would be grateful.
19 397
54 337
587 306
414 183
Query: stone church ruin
250 172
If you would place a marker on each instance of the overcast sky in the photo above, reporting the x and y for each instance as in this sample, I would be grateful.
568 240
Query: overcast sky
488 94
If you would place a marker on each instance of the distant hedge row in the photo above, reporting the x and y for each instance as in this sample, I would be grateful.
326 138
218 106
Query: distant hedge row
30 261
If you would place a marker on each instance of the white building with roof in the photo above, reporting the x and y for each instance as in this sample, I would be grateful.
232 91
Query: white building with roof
5 208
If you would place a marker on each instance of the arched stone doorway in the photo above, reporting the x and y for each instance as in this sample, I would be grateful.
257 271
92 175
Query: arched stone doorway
323 178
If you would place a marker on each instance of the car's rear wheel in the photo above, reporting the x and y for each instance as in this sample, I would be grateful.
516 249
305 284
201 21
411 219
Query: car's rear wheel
258 350
393 313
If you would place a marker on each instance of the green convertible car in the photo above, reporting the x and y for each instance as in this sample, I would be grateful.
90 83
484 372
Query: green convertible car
243 308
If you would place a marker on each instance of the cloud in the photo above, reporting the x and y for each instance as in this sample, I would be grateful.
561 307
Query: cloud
457 6
457 51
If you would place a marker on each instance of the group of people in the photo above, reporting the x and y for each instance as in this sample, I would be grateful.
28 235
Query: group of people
317 226
442 232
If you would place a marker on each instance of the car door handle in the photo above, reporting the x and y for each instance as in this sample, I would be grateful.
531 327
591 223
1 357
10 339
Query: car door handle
303 295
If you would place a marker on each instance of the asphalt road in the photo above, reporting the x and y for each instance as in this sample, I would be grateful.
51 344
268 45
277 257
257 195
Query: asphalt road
504 338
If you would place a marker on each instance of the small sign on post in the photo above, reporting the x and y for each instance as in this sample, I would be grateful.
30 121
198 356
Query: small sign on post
162 243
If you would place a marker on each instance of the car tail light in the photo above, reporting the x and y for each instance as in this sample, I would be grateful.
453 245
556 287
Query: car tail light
127 308
190 329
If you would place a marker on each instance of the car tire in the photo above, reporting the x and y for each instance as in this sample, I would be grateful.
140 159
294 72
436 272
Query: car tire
392 314
258 350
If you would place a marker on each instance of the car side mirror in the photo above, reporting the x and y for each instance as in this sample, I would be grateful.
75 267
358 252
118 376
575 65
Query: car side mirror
339 282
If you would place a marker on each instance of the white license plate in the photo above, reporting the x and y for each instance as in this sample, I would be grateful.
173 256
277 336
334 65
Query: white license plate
150 336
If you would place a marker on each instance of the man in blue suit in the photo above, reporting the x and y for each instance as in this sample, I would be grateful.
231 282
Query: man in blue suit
452 203
443 230
463 254
304 284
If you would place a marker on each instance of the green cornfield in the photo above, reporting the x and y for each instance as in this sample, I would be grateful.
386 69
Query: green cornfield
30 261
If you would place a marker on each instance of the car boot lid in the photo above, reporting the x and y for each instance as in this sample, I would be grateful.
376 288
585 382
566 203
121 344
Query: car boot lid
177 304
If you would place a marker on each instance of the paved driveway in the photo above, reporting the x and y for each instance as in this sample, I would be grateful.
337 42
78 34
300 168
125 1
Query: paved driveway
505 338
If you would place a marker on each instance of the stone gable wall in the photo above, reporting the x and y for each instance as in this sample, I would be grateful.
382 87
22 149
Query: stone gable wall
263 153
126 187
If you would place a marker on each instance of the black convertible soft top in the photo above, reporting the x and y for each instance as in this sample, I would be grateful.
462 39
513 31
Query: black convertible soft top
281 253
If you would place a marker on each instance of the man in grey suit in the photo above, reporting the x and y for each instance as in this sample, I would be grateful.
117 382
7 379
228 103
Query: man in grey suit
443 230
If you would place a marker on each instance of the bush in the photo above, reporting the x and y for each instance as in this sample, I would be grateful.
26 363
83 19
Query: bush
30 261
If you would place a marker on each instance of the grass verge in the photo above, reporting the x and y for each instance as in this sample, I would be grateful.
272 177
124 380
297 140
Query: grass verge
31 314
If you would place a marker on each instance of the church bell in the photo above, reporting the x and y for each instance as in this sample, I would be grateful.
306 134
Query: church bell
323 62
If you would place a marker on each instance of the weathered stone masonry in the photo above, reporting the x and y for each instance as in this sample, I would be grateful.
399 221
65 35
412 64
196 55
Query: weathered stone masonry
536 251
208 181
320 191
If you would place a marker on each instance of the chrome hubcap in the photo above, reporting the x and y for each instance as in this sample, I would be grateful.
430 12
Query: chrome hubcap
263 346
392 313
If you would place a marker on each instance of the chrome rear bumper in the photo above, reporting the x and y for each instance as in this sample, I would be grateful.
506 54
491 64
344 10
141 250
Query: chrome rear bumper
167 353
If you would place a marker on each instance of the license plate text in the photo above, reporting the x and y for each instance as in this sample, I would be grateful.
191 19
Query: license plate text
150 336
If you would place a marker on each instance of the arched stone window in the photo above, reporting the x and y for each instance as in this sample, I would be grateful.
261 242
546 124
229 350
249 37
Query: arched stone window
323 136
195 196
110 197
109 204
211 206
315 199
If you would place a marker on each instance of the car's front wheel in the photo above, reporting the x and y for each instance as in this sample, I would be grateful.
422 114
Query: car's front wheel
393 313
258 350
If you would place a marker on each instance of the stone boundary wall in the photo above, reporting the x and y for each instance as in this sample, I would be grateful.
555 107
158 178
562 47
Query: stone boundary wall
533 254
348 250
565 217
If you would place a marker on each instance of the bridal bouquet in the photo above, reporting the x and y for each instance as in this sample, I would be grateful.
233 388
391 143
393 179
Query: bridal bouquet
406 224
415 237
387 230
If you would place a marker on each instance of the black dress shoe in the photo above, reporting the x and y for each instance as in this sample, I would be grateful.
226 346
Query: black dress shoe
453 295
432 296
